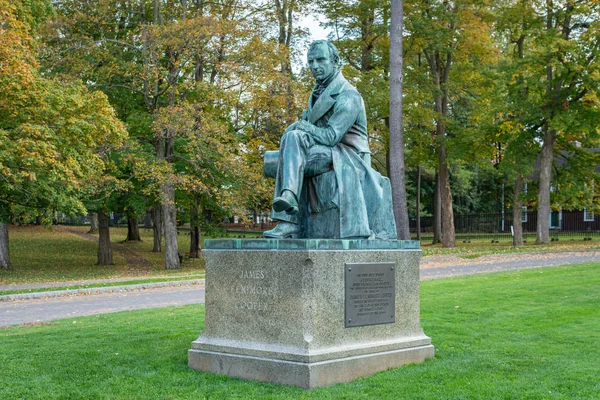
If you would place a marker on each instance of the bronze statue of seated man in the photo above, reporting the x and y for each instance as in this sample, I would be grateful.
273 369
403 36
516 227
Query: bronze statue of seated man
323 172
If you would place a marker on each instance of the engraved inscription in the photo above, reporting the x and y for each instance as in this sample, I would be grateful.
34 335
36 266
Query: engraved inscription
370 294
253 291
257 274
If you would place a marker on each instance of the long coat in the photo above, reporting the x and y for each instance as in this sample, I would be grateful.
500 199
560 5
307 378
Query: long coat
362 195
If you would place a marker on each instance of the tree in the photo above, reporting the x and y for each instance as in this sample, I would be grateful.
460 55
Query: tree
51 131
552 87
439 58
180 56
454 40
286 36
515 140
569 53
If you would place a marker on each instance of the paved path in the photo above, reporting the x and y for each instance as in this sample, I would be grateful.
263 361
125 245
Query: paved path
432 267
98 290
38 310
50 285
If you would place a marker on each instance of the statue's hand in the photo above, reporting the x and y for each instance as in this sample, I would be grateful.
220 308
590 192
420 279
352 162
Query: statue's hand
319 135
305 126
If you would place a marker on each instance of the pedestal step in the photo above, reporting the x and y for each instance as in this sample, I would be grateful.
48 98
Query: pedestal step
305 375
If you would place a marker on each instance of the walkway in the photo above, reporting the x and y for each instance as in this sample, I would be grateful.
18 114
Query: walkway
445 266
39 310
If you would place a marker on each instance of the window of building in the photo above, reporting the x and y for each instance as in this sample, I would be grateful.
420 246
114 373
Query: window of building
556 219
524 214
588 216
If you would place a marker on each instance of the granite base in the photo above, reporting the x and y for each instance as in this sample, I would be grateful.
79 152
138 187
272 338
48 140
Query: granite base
278 315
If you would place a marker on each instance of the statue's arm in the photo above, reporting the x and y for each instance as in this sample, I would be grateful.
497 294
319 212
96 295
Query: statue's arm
345 113
293 126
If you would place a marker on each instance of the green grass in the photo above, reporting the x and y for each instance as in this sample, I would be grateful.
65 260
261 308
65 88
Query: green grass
531 334
144 248
482 247
41 255
99 285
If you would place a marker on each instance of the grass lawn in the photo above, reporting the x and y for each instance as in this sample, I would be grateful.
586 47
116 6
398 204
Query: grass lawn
41 255
531 334
119 234
482 247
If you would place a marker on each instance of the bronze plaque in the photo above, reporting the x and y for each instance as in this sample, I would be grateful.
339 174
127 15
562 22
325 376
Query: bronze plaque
370 293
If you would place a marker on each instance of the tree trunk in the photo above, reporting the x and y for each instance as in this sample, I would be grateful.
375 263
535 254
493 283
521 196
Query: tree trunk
445 195
105 256
437 212
284 11
517 212
148 219
133 230
396 159
448 238
441 106
194 230
542 234
418 211
93 222
170 225
157 228
4 249
543 212
387 155
440 72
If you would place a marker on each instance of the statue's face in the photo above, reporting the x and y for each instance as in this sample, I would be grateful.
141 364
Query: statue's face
320 62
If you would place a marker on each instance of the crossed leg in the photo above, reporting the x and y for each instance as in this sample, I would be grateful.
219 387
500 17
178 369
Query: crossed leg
299 157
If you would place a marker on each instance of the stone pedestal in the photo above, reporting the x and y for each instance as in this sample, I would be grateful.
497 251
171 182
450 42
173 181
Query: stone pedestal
275 312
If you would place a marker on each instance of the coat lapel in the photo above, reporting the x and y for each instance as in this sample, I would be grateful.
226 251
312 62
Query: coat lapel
325 101
323 104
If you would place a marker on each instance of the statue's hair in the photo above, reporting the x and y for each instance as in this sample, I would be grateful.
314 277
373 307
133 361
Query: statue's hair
333 51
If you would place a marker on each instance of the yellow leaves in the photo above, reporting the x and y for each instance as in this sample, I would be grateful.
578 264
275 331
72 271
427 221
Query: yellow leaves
52 128
509 127
175 120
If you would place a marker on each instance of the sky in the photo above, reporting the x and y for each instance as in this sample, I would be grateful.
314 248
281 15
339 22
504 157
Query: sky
311 21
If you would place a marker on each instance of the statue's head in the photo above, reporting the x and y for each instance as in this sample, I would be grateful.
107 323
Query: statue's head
323 59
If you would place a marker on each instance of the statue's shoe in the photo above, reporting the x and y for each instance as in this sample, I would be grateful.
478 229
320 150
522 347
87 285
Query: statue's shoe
286 202
283 230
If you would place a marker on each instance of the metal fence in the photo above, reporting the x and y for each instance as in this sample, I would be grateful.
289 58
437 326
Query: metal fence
497 226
